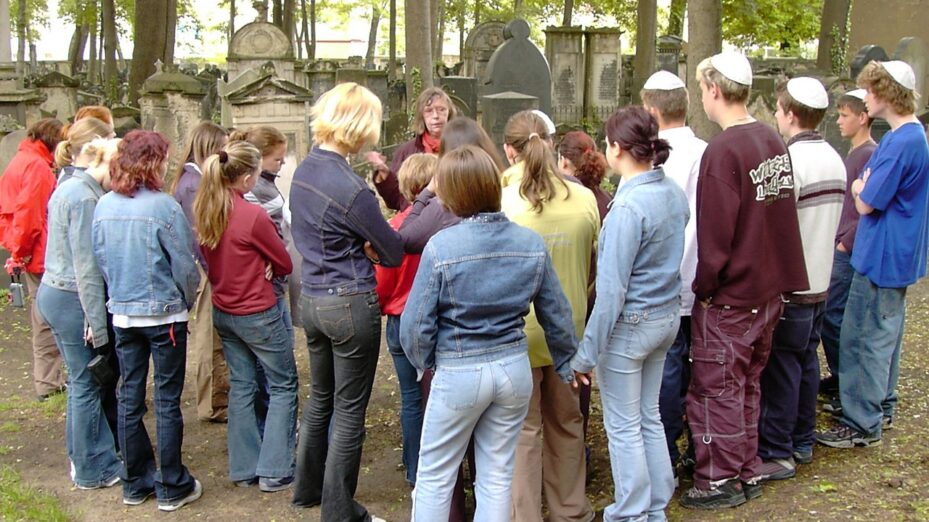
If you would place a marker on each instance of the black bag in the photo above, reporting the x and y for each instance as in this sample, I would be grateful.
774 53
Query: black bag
100 367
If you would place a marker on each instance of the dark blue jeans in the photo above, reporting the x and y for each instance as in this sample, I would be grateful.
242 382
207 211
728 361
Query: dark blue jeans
167 346
842 273
343 336
674 382
411 399
790 383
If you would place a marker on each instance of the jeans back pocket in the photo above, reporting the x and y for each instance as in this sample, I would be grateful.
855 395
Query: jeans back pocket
335 322
457 388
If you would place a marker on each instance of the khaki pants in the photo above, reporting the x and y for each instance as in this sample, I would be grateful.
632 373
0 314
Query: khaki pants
47 364
207 355
550 454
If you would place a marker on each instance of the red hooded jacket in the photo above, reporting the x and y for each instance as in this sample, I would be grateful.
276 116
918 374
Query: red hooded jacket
25 188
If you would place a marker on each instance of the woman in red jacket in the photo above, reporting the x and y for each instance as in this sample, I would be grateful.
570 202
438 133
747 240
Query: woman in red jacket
25 189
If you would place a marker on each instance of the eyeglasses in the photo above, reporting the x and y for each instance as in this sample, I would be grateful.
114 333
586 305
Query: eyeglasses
439 111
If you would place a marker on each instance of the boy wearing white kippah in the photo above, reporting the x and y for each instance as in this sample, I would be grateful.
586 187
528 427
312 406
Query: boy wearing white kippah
748 254
664 96
791 378
890 254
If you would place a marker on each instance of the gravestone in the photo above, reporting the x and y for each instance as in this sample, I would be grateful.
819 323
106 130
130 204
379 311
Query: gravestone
604 73
170 104
320 75
60 95
273 101
256 44
864 56
669 53
377 83
518 66
9 145
16 101
564 49
351 74
497 109
463 92
913 51
480 45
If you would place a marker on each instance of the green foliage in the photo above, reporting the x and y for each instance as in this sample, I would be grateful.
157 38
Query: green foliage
21 502
771 23
36 15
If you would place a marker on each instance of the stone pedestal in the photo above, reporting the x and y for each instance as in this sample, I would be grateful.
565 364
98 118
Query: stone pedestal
16 101
60 95
170 104
497 110
564 50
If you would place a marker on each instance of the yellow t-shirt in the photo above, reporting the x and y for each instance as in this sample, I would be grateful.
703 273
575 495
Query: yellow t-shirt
570 228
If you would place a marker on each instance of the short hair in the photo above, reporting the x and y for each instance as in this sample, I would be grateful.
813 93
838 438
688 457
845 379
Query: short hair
426 98
468 181
807 117
882 85
264 137
732 92
139 162
348 115
854 104
94 111
47 131
416 173
79 134
671 104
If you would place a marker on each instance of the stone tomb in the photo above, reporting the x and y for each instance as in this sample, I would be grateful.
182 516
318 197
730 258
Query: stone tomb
463 92
170 104
604 73
480 45
60 95
518 66
269 100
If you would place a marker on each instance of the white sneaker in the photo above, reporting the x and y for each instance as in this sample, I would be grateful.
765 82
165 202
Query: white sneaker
178 504
377 519
112 481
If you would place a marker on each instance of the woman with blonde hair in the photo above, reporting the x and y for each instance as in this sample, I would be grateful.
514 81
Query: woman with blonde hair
68 152
244 253
335 215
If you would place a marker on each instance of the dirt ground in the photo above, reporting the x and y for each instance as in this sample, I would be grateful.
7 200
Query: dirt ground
887 482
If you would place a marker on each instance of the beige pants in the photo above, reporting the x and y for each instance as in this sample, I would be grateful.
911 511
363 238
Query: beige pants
208 360
46 359
550 454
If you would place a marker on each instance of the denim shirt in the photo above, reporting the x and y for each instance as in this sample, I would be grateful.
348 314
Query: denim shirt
70 264
142 244
638 260
472 292
334 213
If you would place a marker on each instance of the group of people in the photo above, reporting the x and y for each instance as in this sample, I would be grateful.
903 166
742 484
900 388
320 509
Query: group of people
698 294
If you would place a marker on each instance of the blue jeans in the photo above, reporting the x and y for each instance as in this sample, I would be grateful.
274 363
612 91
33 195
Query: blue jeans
790 382
90 442
629 370
167 346
490 400
839 284
674 382
411 399
872 335
250 342
343 336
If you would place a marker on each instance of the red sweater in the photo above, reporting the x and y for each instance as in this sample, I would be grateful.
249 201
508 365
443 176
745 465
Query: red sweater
748 234
25 188
237 265
393 284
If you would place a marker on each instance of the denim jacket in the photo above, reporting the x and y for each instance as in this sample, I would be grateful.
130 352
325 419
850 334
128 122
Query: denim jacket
70 264
638 259
142 244
472 291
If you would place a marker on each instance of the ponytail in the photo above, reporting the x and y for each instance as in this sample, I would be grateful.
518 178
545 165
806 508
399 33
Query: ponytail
527 134
213 202
76 136
662 151
63 156
589 164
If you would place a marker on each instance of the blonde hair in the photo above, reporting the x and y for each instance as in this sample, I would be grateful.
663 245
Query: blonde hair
731 91
875 78
347 115
205 140
527 133
79 134
670 104
264 137
101 151
213 202
416 173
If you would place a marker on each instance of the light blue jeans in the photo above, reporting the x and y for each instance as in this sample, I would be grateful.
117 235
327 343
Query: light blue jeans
89 439
250 341
490 400
629 370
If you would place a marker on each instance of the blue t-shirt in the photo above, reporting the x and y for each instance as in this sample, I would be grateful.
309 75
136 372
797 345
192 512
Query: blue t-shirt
892 241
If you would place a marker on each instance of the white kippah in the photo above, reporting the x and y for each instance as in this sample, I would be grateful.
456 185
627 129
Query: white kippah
809 92
663 81
549 124
901 72
857 93
734 66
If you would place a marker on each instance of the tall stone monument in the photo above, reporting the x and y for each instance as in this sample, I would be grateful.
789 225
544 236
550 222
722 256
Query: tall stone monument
518 66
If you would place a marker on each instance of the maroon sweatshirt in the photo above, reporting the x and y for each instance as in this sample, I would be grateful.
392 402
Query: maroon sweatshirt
748 235
237 264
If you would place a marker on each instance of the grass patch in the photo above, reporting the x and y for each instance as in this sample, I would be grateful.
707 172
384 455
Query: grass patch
9 427
53 407
21 502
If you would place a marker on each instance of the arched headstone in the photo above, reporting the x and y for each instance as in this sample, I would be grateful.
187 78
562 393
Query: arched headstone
482 41
913 50
260 40
518 66
864 57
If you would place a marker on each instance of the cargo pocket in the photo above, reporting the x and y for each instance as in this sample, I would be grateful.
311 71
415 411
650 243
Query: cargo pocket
710 368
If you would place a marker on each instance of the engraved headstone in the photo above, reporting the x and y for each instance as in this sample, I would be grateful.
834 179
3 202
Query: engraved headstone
518 66
564 49
497 109
463 92
480 45
669 53
604 72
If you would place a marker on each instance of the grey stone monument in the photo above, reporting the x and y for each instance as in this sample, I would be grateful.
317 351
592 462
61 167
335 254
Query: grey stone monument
170 104
669 53
480 45
497 109
518 66
463 91
564 49
864 56
913 50
604 72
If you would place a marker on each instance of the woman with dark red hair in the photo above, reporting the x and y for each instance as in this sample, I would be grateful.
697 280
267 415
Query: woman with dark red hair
578 156
142 243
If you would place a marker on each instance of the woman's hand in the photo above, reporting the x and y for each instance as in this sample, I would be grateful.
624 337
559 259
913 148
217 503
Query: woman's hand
371 254
584 378
88 335
379 163
269 272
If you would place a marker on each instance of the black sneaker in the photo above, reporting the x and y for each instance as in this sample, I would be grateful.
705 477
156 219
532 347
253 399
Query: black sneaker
829 386
752 490
843 437
833 406
803 456
729 494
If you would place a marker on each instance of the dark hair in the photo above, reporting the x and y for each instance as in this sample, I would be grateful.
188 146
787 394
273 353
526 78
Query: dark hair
527 133
48 131
139 161
468 181
463 131
856 105
589 164
636 132
807 117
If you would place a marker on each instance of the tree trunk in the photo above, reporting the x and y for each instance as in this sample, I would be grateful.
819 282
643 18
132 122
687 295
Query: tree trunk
418 48
311 54
433 28
568 12
306 28
21 39
676 18
705 33
440 33
277 17
517 8
833 27
645 34
93 64
110 77
76 48
372 37
392 43
6 54
154 40
231 21
461 36
477 12
287 21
